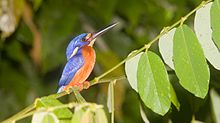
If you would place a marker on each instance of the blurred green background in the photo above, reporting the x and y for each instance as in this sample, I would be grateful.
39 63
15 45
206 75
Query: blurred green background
35 33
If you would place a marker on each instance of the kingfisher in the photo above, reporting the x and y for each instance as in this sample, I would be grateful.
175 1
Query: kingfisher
81 59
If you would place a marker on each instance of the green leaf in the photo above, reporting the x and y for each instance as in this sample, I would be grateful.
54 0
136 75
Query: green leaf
44 117
50 119
49 102
153 83
190 63
215 99
100 116
174 99
202 26
77 116
65 120
110 97
131 70
215 22
87 117
166 47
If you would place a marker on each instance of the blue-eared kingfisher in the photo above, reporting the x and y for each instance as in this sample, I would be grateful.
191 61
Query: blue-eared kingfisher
81 59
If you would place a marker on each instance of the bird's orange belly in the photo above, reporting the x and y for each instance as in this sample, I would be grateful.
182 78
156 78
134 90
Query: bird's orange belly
83 73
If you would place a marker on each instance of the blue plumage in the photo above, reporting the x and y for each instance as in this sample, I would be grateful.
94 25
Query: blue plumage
70 69
76 42
80 59
74 63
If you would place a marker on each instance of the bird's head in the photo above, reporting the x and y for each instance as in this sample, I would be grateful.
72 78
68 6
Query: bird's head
85 39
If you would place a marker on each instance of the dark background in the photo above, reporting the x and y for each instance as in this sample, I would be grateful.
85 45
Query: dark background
33 55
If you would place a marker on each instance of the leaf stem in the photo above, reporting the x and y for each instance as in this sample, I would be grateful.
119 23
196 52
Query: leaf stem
19 114
147 46
113 100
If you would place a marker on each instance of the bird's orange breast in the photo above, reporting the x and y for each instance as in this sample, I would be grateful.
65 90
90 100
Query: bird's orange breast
83 73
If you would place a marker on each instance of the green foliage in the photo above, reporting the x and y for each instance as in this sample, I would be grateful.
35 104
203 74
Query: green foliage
44 117
50 102
131 67
100 116
203 30
189 62
77 115
166 47
153 83
174 99
57 22
91 114
215 21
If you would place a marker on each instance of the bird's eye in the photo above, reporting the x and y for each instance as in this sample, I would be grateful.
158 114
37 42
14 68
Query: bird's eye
83 39
87 38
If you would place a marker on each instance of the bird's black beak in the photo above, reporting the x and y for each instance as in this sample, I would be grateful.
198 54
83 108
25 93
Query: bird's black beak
94 35
102 31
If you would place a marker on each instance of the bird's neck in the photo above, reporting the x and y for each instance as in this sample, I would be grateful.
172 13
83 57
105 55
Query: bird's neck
87 49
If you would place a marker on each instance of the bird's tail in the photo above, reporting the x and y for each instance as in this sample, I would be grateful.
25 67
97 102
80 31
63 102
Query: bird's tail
60 89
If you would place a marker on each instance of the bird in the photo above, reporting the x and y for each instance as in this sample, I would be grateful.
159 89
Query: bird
81 59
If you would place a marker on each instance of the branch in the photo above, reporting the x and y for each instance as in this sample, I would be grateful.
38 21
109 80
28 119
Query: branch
99 79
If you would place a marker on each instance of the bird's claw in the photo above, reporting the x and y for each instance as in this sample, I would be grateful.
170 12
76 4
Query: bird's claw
68 90
86 85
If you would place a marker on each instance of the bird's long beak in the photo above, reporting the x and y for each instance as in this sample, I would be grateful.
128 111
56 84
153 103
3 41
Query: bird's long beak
102 31
91 37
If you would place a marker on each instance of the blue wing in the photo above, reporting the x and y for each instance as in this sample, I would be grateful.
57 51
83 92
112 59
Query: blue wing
70 69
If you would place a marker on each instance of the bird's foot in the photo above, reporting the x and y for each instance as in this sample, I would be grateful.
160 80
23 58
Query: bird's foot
79 86
68 89
86 85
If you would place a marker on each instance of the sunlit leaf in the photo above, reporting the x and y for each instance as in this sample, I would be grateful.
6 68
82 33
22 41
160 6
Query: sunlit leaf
87 117
131 70
215 99
174 99
65 120
190 63
110 96
44 117
202 26
166 47
153 83
100 116
215 22
77 116
49 102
